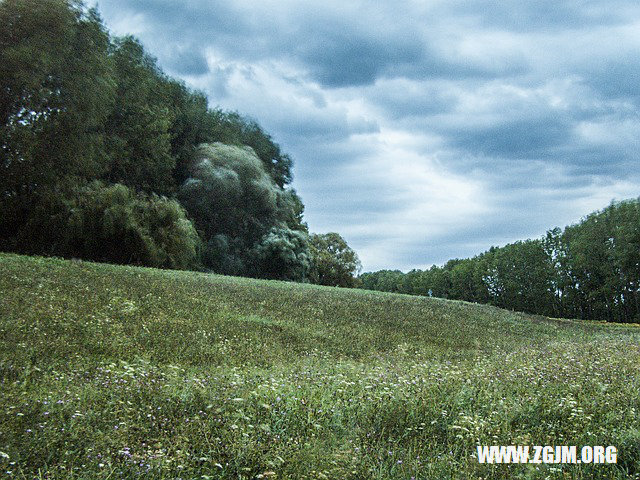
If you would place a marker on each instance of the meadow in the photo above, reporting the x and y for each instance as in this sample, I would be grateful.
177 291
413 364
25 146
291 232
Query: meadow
111 372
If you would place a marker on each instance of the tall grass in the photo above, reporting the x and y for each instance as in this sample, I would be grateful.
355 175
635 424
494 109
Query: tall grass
123 372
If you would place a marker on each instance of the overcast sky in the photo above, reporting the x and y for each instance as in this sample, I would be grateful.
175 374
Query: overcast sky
421 131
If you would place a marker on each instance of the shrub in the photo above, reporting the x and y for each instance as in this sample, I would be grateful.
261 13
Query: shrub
111 224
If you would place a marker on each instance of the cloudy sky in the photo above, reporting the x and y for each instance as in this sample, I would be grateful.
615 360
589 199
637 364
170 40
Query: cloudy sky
421 130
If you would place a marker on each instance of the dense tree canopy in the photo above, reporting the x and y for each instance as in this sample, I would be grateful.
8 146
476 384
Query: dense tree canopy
235 203
334 263
111 224
139 142
590 270
104 157
282 253
56 91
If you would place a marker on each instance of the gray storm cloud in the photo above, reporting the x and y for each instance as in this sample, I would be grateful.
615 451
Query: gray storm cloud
421 132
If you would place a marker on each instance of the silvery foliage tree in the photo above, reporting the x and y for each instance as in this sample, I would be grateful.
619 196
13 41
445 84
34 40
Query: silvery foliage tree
250 225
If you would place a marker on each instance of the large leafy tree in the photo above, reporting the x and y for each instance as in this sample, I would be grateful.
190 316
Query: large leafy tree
524 274
333 263
56 90
235 203
464 280
191 124
233 128
55 79
625 236
139 141
602 257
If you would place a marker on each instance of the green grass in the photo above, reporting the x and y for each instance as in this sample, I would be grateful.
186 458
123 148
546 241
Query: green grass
123 372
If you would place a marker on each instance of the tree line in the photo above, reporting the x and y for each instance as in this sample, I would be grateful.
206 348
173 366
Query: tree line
589 270
105 157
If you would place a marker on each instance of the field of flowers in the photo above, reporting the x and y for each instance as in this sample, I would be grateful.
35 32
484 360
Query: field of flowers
122 372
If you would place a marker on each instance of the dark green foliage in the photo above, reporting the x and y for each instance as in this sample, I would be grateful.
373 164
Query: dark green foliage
245 218
229 192
111 224
283 254
383 281
463 280
139 142
334 263
191 124
601 258
222 254
518 276
56 90
77 106
590 270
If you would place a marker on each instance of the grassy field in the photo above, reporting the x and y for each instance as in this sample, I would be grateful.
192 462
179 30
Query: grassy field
121 372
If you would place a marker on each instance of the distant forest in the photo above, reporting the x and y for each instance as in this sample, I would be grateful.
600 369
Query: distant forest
104 157
590 270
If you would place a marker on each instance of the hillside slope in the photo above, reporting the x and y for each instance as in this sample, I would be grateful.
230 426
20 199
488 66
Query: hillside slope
122 372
